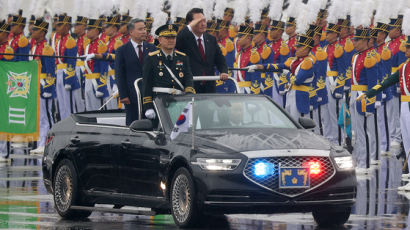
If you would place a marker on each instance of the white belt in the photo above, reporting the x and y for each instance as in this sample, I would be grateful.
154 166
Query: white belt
166 90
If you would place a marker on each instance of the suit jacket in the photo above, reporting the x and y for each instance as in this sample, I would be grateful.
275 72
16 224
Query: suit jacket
128 68
187 44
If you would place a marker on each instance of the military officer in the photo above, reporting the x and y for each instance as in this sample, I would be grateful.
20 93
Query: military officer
18 41
291 32
165 71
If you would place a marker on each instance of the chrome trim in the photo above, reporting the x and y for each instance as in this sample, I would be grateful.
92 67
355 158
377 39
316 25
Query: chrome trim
287 202
153 133
287 153
137 90
287 195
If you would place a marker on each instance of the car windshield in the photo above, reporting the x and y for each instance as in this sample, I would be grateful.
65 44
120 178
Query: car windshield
230 112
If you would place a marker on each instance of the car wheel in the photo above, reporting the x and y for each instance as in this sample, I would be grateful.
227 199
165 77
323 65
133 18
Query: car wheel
332 218
183 201
66 191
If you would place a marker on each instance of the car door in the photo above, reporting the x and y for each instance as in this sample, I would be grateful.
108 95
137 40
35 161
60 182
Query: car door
140 164
97 164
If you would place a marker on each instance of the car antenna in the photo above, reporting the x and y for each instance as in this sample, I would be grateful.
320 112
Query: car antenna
193 124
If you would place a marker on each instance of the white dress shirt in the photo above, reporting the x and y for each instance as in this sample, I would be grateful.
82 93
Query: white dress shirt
196 38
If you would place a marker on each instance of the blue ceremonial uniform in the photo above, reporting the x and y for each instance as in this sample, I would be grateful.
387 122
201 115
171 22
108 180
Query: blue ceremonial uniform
249 82
228 50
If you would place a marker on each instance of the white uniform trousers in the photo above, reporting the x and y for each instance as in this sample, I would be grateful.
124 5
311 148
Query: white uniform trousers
291 105
92 103
394 119
3 149
46 119
364 144
383 128
81 103
69 101
330 118
405 127
113 103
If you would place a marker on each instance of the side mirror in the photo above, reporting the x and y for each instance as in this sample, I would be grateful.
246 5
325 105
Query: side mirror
307 123
141 125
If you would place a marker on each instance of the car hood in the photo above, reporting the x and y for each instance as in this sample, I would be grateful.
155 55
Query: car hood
241 140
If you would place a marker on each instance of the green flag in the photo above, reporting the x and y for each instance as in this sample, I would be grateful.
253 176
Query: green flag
20 101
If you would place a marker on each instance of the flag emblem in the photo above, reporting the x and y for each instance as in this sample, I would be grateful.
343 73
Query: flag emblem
18 84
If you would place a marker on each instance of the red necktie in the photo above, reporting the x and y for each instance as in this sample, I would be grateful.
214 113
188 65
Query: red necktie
140 53
201 49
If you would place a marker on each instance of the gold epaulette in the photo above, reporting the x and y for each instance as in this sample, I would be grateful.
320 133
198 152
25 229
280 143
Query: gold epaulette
307 64
180 53
338 51
47 50
266 52
70 43
223 50
190 89
255 57
289 61
8 50
229 45
23 41
86 42
102 47
349 45
154 53
118 43
284 49
369 61
386 53
321 54
403 45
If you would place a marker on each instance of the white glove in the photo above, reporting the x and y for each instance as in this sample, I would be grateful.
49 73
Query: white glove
46 95
384 96
88 56
319 99
150 114
114 88
338 95
99 94
67 87
367 114
252 68
377 104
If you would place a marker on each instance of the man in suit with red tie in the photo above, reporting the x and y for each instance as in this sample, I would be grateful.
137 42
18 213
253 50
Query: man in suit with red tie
202 49
128 66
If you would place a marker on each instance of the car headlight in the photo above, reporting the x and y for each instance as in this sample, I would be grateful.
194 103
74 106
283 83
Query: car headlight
345 162
217 164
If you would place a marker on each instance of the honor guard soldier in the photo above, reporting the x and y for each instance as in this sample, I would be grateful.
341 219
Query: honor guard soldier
125 36
67 84
165 71
281 53
228 50
334 83
385 69
398 57
30 29
148 24
5 48
112 27
321 22
18 41
47 80
95 70
347 44
401 76
54 35
82 41
291 32
364 77
249 82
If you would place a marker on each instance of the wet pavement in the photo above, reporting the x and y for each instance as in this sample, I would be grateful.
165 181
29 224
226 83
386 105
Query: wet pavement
25 204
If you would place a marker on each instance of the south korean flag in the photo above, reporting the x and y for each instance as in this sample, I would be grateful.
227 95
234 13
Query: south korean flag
184 121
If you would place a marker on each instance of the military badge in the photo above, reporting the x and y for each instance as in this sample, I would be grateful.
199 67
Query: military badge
181 74
161 74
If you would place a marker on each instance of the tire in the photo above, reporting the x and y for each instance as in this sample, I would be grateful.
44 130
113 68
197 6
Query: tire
327 218
184 207
66 191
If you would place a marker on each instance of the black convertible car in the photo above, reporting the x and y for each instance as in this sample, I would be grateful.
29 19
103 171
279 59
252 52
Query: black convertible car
242 154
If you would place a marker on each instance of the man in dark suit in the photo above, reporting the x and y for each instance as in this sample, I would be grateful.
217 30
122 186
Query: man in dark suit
128 66
202 49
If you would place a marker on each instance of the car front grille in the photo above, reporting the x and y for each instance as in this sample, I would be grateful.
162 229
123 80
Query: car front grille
271 182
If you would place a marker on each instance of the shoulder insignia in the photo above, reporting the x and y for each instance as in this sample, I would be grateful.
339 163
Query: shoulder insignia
154 53
403 45
223 50
229 45
70 43
8 50
47 50
266 52
386 53
369 61
289 61
102 48
255 57
338 51
86 42
118 43
23 42
321 54
377 56
307 64
284 49
232 32
180 53
349 45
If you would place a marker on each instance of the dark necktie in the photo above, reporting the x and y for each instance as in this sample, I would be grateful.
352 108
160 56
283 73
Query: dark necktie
140 53
201 49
